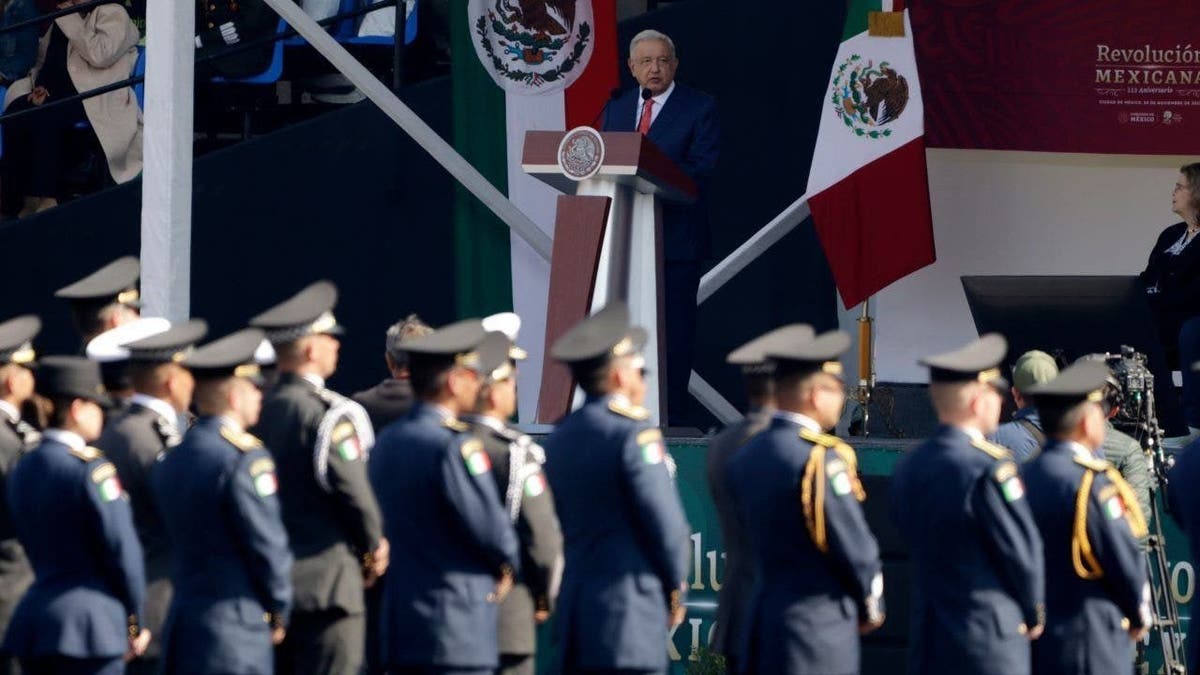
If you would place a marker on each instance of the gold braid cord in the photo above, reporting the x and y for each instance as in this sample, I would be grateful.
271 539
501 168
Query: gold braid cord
1086 565
813 484
1133 510
812 497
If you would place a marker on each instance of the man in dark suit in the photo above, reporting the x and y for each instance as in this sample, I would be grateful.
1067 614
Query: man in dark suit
1097 588
517 467
136 440
391 399
320 441
682 122
83 613
217 491
739 568
978 575
435 486
624 531
16 437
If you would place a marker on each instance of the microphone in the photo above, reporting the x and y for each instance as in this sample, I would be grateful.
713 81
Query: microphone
612 96
646 95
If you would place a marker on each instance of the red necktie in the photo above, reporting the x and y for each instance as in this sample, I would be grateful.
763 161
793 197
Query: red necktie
644 122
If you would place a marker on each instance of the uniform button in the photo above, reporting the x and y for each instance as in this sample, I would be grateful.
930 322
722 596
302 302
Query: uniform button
212 8
266 618
1022 628
210 25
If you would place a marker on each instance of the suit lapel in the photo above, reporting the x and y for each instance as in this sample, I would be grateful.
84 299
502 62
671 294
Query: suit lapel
671 109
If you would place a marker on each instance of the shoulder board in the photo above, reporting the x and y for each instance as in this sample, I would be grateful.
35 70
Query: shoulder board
470 447
991 449
261 466
647 436
87 454
456 425
1004 471
103 472
510 435
328 396
1093 464
243 441
633 412
818 438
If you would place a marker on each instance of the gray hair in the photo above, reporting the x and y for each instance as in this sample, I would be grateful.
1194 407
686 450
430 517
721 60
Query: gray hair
651 34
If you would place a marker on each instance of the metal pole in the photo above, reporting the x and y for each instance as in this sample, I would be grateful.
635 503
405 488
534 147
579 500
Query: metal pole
414 126
398 46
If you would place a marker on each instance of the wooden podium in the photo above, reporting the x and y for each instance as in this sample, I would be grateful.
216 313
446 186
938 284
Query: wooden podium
607 243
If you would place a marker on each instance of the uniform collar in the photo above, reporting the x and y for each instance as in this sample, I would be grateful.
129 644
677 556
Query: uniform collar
486 420
228 422
798 418
157 405
1078 449
314 379
971 432
10 411
68 438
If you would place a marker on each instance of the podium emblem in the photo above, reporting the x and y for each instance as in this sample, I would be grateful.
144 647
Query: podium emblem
581 153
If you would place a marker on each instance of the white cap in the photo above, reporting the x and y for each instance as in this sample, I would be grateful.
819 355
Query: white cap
109 346
509 324
264 355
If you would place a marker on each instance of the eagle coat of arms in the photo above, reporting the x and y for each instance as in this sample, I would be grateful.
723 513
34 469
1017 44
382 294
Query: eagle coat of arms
532 46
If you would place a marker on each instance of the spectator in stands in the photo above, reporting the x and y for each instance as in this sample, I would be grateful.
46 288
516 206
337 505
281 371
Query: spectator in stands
1024 435
225 26
18 48
79 52
390 399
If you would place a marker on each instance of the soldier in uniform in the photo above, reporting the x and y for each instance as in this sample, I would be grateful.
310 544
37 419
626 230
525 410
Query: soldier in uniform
434 482
104 299
217 493
134 441
16 437
83 612
108 350
1097 589
820 581
517 468
626 538
391 399
739 569
976 555
320 441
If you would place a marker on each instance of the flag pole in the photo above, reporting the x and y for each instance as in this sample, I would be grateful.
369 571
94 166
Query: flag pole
866 365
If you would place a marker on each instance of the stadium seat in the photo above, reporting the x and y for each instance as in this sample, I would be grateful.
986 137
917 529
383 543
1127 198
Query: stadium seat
274 70
410 32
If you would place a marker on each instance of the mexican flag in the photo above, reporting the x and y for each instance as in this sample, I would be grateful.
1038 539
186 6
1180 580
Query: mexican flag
520 65
868 187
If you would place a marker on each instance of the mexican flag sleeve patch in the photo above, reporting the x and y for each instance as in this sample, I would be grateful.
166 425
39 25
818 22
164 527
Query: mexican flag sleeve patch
345 442
262 472
104 477
535 485
477 460
1114 508
1010 482
650 444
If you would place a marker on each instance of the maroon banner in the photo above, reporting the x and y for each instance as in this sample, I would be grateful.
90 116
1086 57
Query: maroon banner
1103 76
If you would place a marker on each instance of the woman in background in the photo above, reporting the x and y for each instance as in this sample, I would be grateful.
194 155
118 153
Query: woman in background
78 53
1172 283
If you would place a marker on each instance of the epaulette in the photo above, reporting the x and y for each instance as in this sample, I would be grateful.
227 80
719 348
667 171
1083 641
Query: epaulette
455 424
242 440
1092 463
633 412
992 449
87 453
839 472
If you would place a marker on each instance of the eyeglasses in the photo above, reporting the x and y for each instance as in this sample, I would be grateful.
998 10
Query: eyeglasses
662 61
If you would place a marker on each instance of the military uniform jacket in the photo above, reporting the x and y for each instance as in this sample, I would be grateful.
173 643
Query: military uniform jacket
1185 510
517 468
73 519
1096 577
976 556
320 441
133 442
16 575
250 19
454 538
232 566
739 568
797 494
625 537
